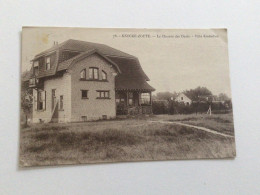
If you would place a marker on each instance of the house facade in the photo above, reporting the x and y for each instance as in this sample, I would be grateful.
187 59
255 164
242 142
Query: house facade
183 99
82 81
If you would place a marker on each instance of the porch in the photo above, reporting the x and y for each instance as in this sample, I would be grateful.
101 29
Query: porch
133 102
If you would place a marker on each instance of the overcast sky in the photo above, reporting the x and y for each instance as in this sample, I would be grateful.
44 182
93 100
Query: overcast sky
172 64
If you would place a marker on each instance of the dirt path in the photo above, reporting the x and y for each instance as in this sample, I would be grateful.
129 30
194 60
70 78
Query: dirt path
196 127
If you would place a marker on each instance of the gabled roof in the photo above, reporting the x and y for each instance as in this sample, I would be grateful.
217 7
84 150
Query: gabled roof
68 63
182 93
131 74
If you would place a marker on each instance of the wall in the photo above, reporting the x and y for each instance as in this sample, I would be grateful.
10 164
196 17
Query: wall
185 99
63 87
92 107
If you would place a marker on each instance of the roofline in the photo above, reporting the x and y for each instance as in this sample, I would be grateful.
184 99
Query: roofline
59 46
44 55
88 53
184 95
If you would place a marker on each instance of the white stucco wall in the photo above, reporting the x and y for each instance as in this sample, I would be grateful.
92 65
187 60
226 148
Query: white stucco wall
183 98
92 107
63 87
69 85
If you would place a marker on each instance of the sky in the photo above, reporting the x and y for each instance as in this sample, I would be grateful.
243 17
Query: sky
173 59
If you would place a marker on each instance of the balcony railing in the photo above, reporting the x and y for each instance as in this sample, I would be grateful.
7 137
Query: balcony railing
33 82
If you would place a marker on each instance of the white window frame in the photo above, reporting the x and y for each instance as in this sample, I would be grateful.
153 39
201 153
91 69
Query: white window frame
83 74
104 75
93 73
48 63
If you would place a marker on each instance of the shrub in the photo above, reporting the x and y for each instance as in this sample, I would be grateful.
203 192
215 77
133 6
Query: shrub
160 107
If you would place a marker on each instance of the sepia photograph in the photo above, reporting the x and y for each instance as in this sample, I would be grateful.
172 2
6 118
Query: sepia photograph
95 95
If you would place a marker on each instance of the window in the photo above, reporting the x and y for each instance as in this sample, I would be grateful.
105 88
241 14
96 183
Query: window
36 67
35 63
41 100
48 63
130 98
83 74
53 98
33 81
84 118
84 94
36 70
93 73
103 94
145 98
61 102
104 75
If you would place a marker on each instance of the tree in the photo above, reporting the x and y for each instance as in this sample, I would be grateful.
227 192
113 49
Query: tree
196 93
26 98
166 95
223 97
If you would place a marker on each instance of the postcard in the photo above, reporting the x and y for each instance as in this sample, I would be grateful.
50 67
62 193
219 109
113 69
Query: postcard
92 95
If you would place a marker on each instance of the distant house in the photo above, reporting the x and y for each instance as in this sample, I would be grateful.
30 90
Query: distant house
182 98
209 98
82 81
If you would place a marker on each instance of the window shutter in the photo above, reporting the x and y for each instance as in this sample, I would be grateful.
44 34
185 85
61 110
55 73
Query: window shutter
35 101
44 100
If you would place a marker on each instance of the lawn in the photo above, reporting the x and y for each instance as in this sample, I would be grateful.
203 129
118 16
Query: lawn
119 140
222 123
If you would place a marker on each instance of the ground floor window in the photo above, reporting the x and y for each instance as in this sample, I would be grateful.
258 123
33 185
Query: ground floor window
84 118
130 98
103 94
84 94
41 100
145 99
61 102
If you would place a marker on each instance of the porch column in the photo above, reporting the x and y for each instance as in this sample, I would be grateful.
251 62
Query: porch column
139 98
150 98
127 98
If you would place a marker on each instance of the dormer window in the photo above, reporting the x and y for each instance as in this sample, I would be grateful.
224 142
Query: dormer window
48 63
36 67
36 64
83 74
104 75
93 73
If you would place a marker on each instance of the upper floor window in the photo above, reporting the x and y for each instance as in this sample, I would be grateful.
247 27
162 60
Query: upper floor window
36 67
36 70
104 75
83 74
48 63
93 73
36 63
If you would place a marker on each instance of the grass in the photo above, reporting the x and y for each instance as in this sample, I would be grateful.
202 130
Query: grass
119 140
222 123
